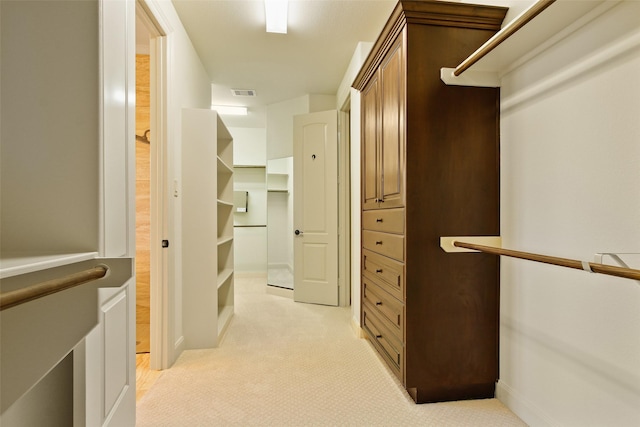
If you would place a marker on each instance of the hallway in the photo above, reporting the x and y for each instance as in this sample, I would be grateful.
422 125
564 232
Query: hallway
285 363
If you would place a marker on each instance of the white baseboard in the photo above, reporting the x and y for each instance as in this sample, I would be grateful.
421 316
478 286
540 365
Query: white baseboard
527 411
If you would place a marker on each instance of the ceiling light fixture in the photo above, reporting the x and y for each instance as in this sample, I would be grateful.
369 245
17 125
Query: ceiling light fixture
230 110
276 12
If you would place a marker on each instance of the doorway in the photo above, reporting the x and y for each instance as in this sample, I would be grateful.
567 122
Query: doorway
151 206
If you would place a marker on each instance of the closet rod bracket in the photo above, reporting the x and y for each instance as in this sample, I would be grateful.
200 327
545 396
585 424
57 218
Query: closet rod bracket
446 243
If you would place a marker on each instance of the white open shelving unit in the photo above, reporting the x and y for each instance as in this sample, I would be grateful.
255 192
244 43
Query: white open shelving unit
225 228
207 228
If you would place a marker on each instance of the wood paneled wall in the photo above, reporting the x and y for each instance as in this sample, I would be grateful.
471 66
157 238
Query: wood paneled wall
142 205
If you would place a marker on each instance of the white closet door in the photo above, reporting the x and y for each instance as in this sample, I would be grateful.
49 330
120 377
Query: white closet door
315 164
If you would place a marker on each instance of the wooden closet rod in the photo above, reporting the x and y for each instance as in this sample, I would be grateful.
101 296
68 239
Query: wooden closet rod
627 273
503 34
39 290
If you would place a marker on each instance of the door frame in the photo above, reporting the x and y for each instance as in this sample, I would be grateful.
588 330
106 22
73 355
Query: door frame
161 354
344 204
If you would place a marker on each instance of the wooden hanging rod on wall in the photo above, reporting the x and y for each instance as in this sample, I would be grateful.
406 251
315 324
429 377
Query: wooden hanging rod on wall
39 290
627 273
503 34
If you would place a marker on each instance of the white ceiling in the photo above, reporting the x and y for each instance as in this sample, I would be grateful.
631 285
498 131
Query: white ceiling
230 38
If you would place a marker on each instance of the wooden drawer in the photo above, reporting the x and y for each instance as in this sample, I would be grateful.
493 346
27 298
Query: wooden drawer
385 306
387 220
391 245
385 272
384 342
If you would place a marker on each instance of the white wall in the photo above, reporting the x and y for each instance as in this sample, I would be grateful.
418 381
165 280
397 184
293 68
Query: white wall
48 131
249 145
570 346
280 121
280 126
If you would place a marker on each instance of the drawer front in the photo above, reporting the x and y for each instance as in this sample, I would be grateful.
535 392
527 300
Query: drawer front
384 342
387 220
391 245
385 272
385 306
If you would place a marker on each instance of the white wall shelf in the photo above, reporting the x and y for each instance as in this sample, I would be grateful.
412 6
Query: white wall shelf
207 228
224 276
531 32
277 182
224 239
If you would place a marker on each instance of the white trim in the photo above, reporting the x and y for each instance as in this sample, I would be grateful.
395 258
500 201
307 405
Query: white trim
470 78
344 207
446 243
526 410
162 350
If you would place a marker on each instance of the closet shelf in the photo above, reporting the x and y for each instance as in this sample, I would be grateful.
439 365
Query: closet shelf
224 239
17 263
223 276
223 167
535 29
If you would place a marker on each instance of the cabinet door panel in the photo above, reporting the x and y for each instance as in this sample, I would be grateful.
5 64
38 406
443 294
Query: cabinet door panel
392 75
370 138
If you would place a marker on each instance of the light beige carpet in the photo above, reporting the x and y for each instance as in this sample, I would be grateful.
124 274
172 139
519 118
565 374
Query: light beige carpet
289 364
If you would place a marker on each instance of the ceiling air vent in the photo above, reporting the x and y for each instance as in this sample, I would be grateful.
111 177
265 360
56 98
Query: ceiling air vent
243 92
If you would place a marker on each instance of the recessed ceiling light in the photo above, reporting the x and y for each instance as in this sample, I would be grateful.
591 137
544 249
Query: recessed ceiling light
276 12
230 110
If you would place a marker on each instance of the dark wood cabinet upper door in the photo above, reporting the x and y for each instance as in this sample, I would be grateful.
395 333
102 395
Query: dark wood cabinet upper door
392 86
370 102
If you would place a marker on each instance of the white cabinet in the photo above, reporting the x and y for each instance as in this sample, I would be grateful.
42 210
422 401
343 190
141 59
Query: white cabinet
207 228
67 204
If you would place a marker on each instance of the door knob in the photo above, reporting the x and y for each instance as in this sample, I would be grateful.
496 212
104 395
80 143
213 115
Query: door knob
298 232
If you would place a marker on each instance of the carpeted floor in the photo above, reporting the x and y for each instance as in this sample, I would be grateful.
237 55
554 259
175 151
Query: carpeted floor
289 364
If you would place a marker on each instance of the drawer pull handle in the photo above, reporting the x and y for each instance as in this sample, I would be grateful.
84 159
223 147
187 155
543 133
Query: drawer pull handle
378 302
378 242
378 219
378 337
378 270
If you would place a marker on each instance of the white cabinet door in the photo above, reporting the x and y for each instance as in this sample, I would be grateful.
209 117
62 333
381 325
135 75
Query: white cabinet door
109 361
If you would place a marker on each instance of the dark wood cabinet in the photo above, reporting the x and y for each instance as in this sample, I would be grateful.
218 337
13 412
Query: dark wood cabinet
430 168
